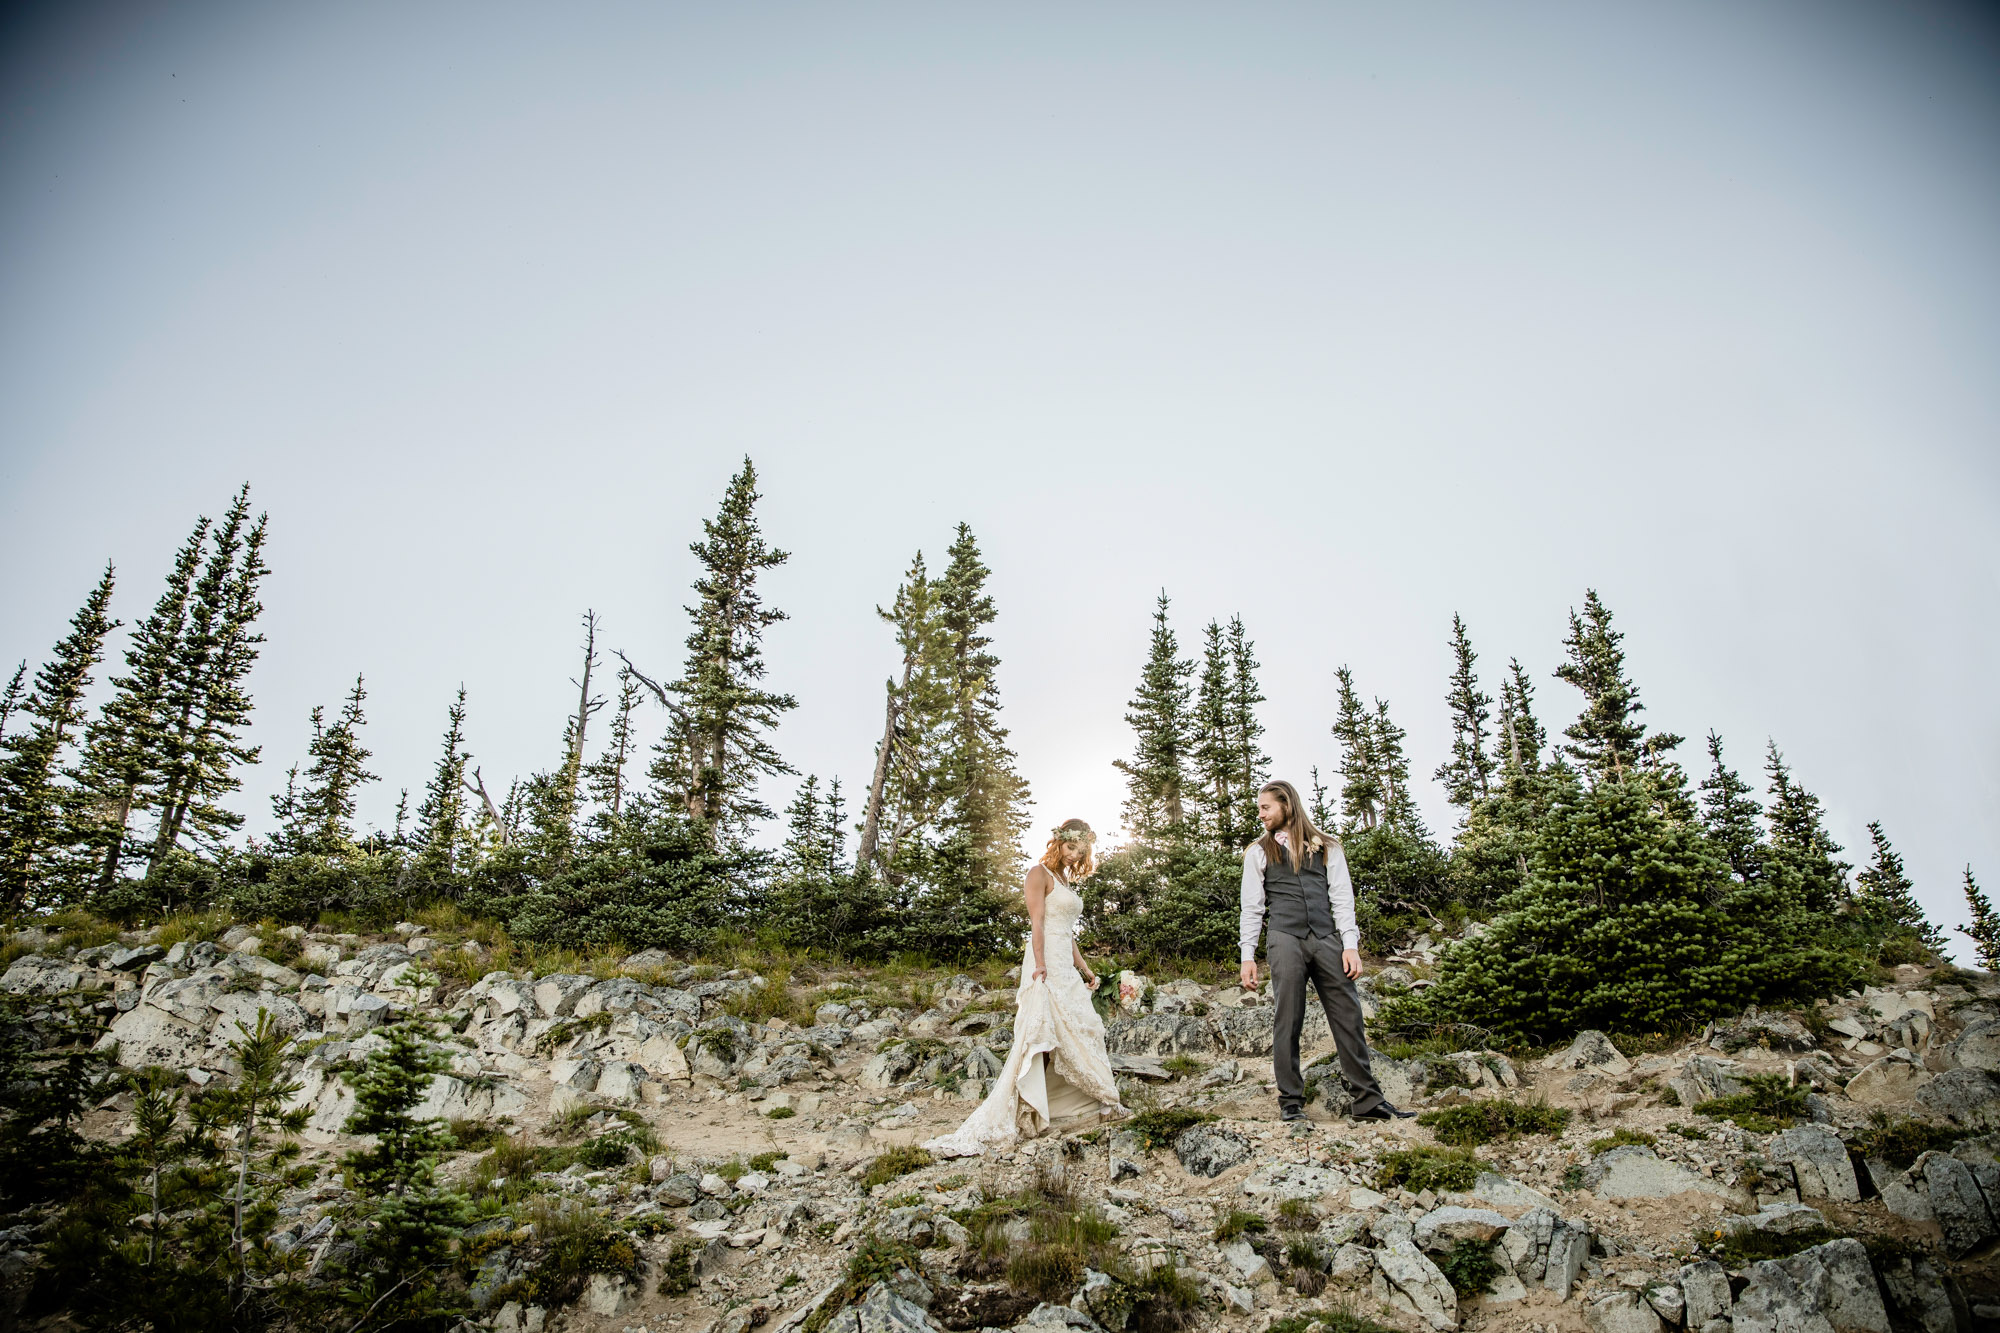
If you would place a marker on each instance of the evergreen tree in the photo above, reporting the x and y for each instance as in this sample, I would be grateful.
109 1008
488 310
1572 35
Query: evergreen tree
1399 807
1156 774
128 742
33 798
807 854
986 806
711 766
336 770
1360 769
1521 736
904 792
1322 814
1608 736
1887 899
1984 930
556 798
1729 815
441 833
1245 731
1802 855
606 777
207 704
405 1222
1214 747
1467 774
10 699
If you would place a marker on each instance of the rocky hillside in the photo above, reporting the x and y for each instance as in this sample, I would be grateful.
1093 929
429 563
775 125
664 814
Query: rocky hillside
1838 1169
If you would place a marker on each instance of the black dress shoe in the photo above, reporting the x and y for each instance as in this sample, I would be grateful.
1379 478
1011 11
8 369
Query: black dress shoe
1292 1113
1387 1112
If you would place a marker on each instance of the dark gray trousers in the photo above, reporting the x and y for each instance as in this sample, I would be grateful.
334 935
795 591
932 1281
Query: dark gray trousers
1294 960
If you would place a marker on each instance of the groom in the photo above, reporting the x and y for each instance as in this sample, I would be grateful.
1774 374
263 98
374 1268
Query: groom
1298 877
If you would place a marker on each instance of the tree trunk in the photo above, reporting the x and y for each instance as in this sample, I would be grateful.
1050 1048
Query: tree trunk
492 811
872 822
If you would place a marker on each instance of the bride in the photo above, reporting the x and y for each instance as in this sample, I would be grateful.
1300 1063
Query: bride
1057 1067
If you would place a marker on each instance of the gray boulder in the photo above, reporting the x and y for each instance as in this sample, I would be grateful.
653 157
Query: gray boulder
1891 1081
1704 1078
1819 1161
1829 1288
1978 1047
1636 1172
1956 1202
1777 1219
1422 1288
1968 1097
1569 1246
1705 1289
1621 1312
886 1069
150 1036
1441 1228
37 974
883 1311
1401 1081
1591 1050
1920 1297
1243 1031
1205 1150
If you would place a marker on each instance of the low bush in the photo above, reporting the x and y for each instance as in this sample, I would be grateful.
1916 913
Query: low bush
893 1163
1619 1138
1470 1267
1420 1169
1484 1121
1180 1066
1768 1103
1297 1215
1159 1128
1901 1140
1736 1250
1237 1223
1327 1321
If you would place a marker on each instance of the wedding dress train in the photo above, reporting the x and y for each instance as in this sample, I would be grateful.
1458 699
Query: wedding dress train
1058 1066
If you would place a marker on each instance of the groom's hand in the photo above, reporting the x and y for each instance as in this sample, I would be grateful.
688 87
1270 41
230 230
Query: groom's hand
1350 963
1249 974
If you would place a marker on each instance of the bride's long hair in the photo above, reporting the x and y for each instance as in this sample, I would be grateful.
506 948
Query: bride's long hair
1071 830
1300 835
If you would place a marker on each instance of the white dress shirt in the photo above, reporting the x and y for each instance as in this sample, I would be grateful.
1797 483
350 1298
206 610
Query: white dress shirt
1340 895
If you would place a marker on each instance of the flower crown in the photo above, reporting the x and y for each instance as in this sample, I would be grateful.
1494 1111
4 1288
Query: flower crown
1075 835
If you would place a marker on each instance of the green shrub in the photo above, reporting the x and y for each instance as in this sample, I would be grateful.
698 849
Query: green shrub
1238 1223
563 1029
1470 1267
1900 1140
1686 1131
780 1113
764 1161
1327 1321
1051 1272
895 1162
1419 1169
1736 1250
1618 1138
1160 1127
1297 1215
1766 1104
1180 1066
677 1272
1484 1121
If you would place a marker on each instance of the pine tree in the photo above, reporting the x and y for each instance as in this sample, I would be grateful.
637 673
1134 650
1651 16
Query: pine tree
440 832
1392 767
1984 930
1156 774
606 778
986 807
1467 774
1729 815
1887 899
208 706
563 794
1521 736
1245 731
10 699
128 742
806 855
1322 813
33 799
712 765
1803 856
1607 737
903 793
1361 783
337 769
1214 749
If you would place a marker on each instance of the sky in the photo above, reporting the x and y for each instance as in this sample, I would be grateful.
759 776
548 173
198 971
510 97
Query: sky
1343 318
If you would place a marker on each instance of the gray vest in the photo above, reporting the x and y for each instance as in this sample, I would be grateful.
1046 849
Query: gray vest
1297 900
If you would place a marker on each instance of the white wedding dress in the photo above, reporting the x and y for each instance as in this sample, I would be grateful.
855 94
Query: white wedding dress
1057 1067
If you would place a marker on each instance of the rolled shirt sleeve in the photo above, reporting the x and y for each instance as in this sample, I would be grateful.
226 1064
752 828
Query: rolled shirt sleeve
1250 923
1340 889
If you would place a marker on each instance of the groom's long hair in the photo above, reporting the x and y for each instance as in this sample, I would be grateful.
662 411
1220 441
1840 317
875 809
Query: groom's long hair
1297 828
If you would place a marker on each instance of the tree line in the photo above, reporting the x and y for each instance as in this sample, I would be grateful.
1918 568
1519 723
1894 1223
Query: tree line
122 808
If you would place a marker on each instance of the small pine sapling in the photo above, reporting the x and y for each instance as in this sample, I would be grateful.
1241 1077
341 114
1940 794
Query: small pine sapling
1985 927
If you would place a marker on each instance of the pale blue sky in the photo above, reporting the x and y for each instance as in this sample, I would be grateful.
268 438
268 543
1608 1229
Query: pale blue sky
1342 317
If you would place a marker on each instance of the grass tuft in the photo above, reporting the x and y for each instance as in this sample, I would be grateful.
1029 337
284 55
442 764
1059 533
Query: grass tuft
893 1163
1419 1169
1619 1138
1484 1121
